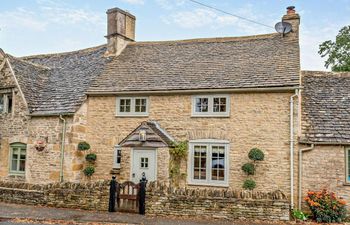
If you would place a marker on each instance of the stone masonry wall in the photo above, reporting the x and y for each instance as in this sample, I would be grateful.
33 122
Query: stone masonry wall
256 120
91 196
325 167
211 203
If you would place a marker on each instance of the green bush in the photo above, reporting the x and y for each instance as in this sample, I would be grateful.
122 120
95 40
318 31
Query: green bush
299 215
83 146
256 154
326 207
179 150
249 184
89 170
249 168
91 157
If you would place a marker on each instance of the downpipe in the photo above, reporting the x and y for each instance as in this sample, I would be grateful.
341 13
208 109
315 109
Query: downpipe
291 102
62 146
301 151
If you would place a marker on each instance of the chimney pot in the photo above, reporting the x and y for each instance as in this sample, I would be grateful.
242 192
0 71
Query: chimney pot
290 10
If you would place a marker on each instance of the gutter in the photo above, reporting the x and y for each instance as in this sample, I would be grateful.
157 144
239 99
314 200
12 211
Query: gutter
301 151
291 102
225 90
51 114
62 146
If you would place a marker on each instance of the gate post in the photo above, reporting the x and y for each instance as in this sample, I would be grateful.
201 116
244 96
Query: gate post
112 191
142 195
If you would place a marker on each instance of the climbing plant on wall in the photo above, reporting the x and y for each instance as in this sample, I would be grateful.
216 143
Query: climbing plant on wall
178 153
249 168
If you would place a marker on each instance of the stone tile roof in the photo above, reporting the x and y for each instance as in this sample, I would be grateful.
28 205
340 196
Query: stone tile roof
244 62
155 136
56 83
325 107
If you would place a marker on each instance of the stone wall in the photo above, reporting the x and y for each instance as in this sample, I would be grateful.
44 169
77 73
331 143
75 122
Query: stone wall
325 167
91 196
256 120
215 203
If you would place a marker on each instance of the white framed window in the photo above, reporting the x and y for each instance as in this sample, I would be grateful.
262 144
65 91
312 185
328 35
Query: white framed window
211 105
17 158
132 106
347 161
208 164
117 157
6 103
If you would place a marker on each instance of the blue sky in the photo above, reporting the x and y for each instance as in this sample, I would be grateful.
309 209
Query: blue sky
47 26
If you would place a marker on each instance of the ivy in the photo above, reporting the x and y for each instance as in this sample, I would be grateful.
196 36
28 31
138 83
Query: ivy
178 152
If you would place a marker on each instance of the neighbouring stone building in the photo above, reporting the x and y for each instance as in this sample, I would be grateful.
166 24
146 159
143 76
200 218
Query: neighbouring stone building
131 101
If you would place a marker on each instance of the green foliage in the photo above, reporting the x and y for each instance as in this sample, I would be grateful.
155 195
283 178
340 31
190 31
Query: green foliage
89 170
326 206
91 157
249 168
83 146
256 154
299 215
338 52
249 184
179 150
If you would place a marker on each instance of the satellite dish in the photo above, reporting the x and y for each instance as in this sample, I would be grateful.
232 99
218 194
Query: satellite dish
283 27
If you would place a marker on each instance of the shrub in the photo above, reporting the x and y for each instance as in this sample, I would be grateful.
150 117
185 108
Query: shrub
89 170
249 184
83 146
325 206
249 168
299 215
179 150
256 154
91 157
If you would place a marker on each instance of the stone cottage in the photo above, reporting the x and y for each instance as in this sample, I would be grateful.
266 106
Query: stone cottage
131 101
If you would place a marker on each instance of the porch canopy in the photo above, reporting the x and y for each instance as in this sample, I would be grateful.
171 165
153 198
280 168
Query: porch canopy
148 134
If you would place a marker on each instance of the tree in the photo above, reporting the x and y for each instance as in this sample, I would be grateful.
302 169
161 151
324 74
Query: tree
338 52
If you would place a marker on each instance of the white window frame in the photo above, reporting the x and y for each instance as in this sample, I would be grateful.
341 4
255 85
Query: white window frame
211 112
117 149
132 112
5 97
209 143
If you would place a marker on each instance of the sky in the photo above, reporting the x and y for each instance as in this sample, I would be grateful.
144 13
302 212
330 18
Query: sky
30 27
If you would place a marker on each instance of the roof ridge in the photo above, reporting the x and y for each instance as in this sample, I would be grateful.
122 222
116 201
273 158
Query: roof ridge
213 39
62 53
319 73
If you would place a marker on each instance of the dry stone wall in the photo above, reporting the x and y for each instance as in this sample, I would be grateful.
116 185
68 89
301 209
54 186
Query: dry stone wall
215 203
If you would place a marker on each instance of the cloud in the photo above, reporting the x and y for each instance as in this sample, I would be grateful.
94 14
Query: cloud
170 4
21 18
134 2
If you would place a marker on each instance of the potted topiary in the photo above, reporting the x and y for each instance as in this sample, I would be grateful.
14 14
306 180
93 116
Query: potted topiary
255 155
83 146
249 184
89 171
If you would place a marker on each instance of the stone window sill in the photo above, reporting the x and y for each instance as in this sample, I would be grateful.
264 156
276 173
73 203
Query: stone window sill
115 171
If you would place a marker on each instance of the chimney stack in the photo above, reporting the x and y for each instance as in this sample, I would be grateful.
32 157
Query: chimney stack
120 30
294 19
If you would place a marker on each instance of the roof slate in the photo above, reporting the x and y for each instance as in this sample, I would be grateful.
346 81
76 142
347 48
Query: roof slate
215 63
56 83
325 107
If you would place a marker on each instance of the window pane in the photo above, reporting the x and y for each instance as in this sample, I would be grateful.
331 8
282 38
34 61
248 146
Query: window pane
22 164
18 159
14 165
219 105
1 103
124 105
9 103
218 163
202 104
119 156
200 162
349 165
140 104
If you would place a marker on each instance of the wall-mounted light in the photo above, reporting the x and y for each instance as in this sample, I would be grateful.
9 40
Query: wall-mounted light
142 135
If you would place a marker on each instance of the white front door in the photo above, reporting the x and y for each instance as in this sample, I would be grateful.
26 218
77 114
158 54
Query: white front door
144 161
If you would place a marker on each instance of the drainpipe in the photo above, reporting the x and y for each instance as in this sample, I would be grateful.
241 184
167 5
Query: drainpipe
62 146
301 151
292 148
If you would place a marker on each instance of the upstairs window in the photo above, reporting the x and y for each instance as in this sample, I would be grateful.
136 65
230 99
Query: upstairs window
132 106
211 106
6 103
